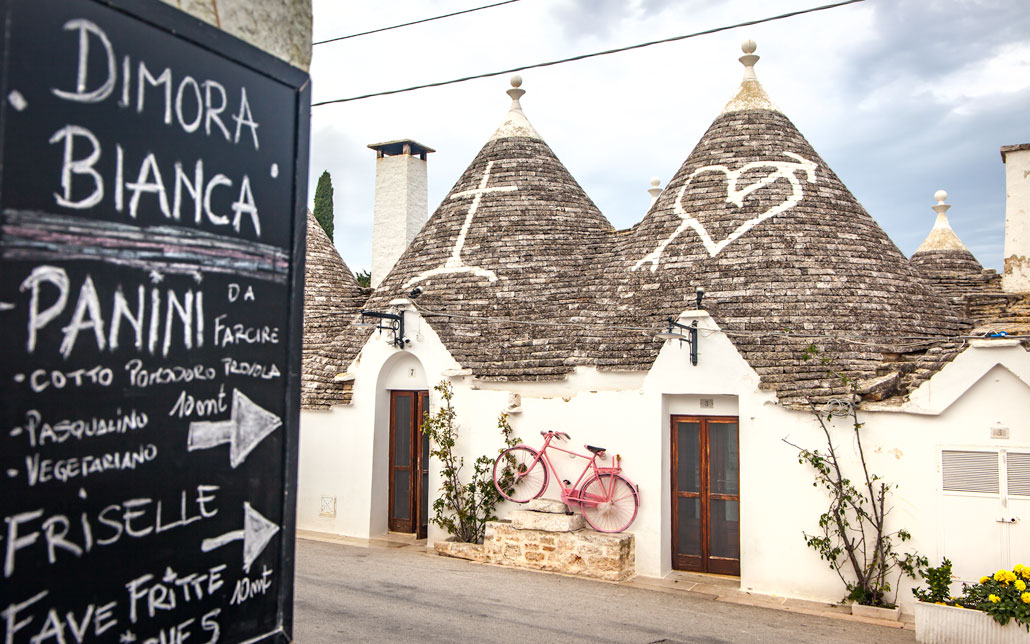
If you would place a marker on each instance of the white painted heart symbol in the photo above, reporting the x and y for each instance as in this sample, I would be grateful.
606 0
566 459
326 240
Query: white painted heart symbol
781 169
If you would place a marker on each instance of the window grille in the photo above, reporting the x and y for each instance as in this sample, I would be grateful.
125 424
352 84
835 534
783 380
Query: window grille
967 471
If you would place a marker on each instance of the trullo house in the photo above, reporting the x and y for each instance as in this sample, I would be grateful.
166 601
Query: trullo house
522 295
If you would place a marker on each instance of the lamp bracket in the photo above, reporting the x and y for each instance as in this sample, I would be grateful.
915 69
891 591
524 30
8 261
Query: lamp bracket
395 324
675 331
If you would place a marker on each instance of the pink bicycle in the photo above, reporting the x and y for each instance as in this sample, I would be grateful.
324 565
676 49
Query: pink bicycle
608 500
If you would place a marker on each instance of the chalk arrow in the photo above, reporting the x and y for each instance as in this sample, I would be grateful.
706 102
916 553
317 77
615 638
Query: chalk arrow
256 533
247 426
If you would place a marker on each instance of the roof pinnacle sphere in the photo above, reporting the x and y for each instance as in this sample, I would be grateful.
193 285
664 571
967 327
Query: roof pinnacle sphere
516 92
941 207
655 189
749 59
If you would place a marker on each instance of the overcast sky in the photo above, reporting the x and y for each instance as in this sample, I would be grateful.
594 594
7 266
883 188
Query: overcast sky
900 97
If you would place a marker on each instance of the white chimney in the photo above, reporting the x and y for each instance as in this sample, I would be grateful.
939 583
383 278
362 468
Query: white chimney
1015 277
401 202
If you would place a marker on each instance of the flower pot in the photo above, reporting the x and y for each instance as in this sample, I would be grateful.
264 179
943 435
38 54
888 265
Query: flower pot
937 624
890 614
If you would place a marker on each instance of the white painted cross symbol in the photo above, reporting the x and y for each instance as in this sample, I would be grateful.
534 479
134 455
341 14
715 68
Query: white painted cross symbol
454 263
781 170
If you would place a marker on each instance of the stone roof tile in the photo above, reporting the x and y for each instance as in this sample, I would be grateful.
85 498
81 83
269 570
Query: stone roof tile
331 298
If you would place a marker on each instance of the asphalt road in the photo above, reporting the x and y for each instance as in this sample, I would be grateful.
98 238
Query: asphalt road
355 594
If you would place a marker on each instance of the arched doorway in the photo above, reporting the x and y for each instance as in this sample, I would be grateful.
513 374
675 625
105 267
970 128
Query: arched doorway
403 384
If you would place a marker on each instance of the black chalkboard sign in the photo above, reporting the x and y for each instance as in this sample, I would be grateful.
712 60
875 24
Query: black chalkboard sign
152 195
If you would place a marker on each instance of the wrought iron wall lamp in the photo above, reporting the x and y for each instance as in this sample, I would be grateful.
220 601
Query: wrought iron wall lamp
674 332
395 324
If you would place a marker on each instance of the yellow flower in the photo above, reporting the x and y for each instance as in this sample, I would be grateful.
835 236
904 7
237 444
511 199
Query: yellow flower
994 598
1009 576
1000 575
1018 569
1020 585
1025 597
984 579
1026 573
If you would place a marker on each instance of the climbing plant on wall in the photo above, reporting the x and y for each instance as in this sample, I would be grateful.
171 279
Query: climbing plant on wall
462 509
853 536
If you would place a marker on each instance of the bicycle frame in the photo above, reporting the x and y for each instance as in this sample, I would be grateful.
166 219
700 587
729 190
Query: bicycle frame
572 494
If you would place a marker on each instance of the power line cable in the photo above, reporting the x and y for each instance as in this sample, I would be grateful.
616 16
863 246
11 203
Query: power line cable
413 22
606 52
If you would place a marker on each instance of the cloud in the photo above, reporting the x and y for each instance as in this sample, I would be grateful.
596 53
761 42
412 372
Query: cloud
901 98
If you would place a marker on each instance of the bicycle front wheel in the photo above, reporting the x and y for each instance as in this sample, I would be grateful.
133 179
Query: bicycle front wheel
518 474
609 502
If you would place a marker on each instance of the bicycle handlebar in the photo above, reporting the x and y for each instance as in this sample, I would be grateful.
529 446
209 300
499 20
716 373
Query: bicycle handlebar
562 435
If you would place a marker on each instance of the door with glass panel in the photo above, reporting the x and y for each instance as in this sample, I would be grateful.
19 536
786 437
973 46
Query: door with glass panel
409 463
705 494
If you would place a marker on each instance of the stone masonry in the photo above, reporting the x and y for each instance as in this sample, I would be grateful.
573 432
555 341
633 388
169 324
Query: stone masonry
551 541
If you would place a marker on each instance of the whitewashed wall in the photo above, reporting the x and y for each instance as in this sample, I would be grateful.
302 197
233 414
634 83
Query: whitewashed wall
1016 273
969 396
629 414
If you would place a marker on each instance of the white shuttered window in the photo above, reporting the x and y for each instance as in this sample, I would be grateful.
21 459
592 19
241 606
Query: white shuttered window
1019 473
969 471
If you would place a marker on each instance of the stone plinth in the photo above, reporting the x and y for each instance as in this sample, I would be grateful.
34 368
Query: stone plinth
585 553
546 521
554 506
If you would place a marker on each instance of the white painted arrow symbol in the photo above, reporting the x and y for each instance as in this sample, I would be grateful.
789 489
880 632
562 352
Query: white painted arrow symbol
256 533
6 306
247 426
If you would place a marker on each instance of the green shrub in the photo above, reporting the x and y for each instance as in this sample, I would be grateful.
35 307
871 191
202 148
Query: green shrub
462 509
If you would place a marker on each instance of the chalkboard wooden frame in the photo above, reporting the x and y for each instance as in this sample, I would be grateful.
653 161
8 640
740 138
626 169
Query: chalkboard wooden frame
199 34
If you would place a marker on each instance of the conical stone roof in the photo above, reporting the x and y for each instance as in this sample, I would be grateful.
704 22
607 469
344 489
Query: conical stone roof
945 262
515 239
331 298
786 254
524 279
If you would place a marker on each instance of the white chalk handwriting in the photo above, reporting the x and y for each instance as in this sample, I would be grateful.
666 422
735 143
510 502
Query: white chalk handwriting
133 518
40 432
43 470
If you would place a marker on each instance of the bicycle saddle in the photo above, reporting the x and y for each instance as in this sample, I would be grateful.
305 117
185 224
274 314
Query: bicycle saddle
595 450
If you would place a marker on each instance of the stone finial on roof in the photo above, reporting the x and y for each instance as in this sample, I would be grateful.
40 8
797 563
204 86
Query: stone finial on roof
655 189
749 59
941 236
944 260
516 123
750 96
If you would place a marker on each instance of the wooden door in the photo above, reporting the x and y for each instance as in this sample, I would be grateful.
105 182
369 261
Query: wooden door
705 494
409 463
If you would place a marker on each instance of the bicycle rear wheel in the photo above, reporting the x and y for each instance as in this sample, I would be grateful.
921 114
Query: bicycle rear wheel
518 475
609 502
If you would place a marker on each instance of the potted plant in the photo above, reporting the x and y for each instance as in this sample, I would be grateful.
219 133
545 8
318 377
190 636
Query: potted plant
996 610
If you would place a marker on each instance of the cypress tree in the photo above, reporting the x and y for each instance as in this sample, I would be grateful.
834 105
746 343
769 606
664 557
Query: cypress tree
323 209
